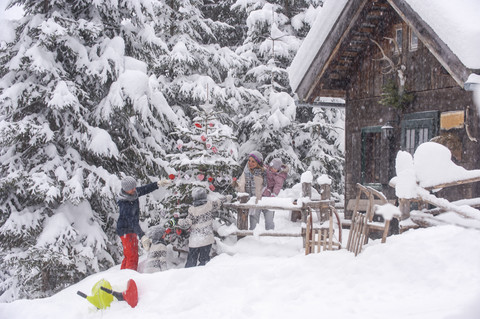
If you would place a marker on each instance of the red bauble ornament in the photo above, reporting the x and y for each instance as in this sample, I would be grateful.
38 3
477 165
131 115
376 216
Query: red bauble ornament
210 179
171 176
210 124
214 149
198 125
212 188
203 138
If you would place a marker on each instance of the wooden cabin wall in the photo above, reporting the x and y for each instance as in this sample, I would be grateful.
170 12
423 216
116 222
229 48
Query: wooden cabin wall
433 88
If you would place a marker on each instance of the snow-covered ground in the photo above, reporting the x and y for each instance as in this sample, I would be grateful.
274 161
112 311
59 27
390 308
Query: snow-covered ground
425 273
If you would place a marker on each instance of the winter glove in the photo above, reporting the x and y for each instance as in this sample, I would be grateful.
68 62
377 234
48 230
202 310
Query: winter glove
146 242
226 199
163 182
185 223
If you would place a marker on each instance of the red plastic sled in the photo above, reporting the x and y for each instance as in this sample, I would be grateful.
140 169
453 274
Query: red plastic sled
130 295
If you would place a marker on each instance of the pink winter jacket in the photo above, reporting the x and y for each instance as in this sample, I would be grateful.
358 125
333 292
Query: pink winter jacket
275 181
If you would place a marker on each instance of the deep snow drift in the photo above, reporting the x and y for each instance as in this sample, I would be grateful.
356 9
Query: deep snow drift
425 273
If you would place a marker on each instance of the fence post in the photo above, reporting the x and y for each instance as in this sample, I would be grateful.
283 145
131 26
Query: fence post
242 215
306 192
404 206
325 194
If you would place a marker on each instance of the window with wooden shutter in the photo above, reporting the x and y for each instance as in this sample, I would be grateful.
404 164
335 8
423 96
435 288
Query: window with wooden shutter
418 128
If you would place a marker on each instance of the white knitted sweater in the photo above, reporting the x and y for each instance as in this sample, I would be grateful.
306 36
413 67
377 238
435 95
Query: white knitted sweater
201 220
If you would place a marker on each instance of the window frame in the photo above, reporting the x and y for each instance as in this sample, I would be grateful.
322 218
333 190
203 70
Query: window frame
411 45
398 29
416 123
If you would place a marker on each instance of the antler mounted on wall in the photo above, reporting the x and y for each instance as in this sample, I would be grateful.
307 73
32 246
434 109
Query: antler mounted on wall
391 67
398 69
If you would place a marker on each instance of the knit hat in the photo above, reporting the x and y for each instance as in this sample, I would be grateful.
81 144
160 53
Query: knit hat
199 196
128 183
257 156
276 163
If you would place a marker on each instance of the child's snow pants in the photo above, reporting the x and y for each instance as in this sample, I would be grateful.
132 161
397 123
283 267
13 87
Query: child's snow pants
202 254
130 251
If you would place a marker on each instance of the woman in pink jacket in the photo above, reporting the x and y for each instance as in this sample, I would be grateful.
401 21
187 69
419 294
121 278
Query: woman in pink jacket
276 175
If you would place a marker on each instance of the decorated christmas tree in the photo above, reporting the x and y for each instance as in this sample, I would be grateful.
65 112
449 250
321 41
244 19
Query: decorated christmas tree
206 157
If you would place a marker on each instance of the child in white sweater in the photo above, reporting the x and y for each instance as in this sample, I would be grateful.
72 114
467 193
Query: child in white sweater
200 222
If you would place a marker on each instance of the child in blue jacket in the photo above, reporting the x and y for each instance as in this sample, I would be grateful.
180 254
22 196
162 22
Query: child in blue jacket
128 227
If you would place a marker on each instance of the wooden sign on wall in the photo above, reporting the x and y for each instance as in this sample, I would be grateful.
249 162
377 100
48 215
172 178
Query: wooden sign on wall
454 119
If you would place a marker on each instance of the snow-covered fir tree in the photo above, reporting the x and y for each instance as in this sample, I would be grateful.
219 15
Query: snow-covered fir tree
196 65
271 43
78 110
234 34
206 157
319 141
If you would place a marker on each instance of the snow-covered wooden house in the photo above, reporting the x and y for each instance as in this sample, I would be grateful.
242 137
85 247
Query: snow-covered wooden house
406 69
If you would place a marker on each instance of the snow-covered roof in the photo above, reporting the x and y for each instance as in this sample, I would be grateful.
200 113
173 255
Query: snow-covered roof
324 22
457 23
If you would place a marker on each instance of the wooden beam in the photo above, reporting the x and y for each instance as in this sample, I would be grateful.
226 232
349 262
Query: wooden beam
358 44
312 204
259 206
335 76
361 35
381 6
342 67
470 212
366 30
333 93
375 14
344 62
456 183
270 233
346 59
350 53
